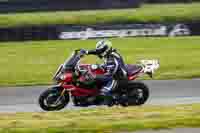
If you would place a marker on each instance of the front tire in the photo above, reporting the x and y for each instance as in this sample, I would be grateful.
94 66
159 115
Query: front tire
51 99
137 93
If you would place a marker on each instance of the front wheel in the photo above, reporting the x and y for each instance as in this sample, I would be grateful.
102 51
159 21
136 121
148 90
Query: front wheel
137 94
52 100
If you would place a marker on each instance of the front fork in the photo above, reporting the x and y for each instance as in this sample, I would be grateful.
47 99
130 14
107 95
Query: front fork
63 91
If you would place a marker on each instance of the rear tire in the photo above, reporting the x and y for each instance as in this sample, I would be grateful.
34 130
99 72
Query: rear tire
50 96
138 93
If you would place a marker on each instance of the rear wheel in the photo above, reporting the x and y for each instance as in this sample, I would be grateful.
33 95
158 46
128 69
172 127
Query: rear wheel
51 99
137 94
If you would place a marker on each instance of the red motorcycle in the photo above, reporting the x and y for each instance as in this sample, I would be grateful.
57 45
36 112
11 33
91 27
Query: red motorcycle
80 83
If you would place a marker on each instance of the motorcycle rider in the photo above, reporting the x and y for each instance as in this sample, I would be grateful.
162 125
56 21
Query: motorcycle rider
113 64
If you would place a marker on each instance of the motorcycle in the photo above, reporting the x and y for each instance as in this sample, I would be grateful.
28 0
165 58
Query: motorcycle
78 83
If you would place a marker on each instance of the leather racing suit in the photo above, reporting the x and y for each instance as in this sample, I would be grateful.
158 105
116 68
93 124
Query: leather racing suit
115 69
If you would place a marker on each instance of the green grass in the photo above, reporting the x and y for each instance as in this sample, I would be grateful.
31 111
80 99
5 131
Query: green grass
34 63
102 119
147 13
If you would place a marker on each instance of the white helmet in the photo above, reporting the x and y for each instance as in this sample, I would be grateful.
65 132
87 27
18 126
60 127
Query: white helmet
103 46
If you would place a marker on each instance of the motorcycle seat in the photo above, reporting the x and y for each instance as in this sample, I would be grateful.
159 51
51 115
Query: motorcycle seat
133 69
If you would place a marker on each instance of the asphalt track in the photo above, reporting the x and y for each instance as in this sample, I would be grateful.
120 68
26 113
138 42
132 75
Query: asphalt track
24 99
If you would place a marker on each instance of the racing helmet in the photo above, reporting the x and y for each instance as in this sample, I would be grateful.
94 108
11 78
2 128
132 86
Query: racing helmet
103 47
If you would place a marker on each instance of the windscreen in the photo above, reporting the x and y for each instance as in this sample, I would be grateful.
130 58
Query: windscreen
71 62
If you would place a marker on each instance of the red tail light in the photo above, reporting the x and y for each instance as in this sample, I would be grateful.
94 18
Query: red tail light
132 77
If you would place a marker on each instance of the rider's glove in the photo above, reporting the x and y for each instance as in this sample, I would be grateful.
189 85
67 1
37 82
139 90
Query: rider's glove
83 51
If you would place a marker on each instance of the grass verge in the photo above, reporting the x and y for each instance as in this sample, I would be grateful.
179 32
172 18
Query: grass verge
160 13
103 119
34 63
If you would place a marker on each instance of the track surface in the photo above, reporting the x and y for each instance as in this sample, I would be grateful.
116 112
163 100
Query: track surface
24 99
